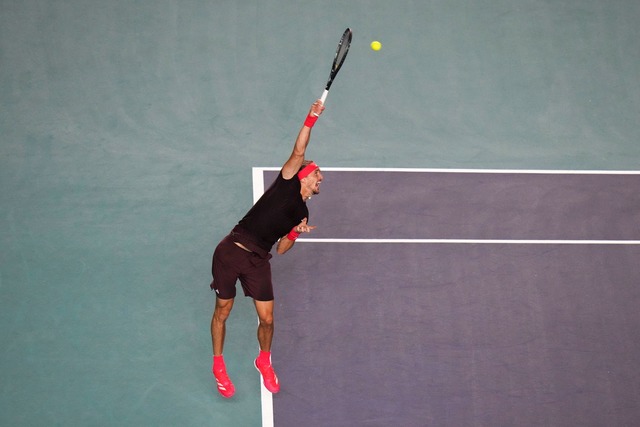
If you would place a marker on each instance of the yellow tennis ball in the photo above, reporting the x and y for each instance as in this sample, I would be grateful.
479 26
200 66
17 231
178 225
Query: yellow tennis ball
376 45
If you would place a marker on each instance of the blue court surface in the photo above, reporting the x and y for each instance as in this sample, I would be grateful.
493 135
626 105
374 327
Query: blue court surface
476 256
462 298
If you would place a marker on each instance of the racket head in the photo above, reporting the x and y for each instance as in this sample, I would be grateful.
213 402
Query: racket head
341 54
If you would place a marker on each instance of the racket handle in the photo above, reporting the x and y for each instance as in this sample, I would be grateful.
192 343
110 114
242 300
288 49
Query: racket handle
324 96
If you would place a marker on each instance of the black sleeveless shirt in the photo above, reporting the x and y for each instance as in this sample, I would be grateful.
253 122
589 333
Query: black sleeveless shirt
278 210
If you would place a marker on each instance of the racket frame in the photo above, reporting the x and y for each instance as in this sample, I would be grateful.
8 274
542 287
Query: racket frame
338 60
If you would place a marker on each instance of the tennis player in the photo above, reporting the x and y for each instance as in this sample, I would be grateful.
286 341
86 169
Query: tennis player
279 216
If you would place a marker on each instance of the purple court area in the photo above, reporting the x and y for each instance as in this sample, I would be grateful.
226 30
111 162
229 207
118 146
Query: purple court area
462 334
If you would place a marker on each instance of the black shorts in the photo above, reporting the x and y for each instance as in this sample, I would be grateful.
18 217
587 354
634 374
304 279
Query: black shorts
231 263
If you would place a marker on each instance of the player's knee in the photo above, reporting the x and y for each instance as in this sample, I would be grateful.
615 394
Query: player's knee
220 317
266 321
221 313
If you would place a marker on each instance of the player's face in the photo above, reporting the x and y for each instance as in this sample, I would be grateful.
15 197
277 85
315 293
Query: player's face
313 181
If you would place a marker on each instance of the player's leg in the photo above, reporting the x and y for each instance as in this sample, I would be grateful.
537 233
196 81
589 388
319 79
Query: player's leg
265 325
218 324
265 336
226 258
218 330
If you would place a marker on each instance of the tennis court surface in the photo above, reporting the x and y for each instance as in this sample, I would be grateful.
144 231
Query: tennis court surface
488 298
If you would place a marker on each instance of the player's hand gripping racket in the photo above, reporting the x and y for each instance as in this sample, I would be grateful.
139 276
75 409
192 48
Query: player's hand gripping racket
338 60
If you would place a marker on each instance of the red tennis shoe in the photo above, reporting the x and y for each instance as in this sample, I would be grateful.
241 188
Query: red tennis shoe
225 386
269 377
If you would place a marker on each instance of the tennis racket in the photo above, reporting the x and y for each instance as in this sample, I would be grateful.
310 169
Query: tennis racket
338 60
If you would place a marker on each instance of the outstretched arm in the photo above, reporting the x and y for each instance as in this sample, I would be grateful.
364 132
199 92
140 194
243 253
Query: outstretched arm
294 162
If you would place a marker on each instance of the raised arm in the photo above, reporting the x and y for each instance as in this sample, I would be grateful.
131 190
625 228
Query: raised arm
292 165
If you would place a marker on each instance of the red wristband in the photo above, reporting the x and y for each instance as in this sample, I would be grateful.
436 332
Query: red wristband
310 120
293 234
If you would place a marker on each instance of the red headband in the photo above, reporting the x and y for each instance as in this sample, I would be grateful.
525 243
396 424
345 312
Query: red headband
307 170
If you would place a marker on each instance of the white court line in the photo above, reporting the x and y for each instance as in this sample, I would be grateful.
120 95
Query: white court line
476 241
266 398
479 171
266 401
258 189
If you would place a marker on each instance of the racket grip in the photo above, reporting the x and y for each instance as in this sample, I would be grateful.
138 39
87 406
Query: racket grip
324 96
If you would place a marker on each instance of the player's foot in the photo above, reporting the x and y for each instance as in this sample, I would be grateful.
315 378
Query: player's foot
225 386
269 377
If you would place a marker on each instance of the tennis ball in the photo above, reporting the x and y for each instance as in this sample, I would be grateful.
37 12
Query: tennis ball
376 45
